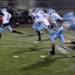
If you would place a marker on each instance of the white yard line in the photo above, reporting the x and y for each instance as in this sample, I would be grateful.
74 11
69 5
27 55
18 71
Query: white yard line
65 47
62 50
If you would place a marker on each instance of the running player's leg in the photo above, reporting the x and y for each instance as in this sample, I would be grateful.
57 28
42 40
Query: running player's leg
12 30
53 38
62 38
1 30
39 35
53 48
38 29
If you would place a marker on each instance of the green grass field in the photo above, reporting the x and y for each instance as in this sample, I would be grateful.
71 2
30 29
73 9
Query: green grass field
19 55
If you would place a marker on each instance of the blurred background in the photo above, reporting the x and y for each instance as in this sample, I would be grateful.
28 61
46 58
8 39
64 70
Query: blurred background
21 9
27 4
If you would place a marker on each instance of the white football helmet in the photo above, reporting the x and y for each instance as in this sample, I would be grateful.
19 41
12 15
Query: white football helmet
50 11
4 10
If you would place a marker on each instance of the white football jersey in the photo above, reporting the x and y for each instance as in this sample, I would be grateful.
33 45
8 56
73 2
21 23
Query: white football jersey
38 17
45 20
6 17
56 16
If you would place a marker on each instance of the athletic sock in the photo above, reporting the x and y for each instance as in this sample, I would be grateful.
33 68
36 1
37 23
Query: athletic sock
53 49
0 35
39 35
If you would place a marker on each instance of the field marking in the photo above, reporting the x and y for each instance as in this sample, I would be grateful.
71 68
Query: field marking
42 56
62 50
15 56
65 47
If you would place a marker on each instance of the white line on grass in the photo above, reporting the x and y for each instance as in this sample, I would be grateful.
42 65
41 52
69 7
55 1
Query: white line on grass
62 50
15 56
42 56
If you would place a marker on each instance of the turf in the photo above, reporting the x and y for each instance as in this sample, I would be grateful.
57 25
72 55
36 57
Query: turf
19 55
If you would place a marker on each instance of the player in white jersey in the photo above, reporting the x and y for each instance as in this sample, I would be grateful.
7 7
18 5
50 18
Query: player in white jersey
56 29
37 23
42 21
6 22
1 20
45 19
